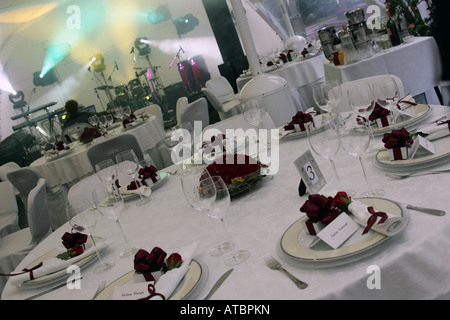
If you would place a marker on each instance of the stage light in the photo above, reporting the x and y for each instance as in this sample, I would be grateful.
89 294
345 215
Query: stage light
54 54
98 62
185 24
142 46
17 99
41 80
159 15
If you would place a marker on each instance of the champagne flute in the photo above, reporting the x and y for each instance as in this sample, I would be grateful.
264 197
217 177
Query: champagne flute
110 205
218 210
362 102
128 163
325 142
356 145
83 220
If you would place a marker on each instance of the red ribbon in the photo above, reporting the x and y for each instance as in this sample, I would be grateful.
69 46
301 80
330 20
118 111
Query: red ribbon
378 112
407 102
300 118
24 271
152 291
397 153
439 123
146 263
397 139
373 218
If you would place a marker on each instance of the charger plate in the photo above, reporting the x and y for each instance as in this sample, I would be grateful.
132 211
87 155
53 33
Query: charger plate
58 276
185 289
357 247
301 134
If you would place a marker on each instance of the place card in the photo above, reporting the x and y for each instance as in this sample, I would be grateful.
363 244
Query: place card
131 291
339 230
422 145
312 178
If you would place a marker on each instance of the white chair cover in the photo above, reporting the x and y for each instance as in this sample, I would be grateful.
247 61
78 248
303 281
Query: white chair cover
181 103
196 111
221 88
9 212
153 109
225 109
14 247
25 178
344 103
239 122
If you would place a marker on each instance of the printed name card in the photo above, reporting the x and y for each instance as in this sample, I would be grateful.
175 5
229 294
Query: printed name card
422 145
131 291
339 230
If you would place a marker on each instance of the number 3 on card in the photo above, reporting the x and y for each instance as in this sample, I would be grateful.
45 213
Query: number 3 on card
309 171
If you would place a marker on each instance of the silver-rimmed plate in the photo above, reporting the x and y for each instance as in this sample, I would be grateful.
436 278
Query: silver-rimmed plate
286 135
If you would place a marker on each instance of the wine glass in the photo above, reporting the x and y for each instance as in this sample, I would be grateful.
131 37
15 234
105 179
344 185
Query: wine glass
198 198
93 120
109 120
325 142
82 219
362 102
107 172
102 121
126 111
128 163
254 112
218 210
118 113
110 205
356 144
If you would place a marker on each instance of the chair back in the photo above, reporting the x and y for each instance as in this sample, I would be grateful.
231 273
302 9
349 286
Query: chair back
220 87
196 111
213 99
75 129
37 211
239 122
181 103
24 180
109 148
153 109
344 104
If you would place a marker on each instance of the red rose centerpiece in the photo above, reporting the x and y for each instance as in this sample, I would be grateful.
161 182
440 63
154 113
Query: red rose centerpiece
298 121
239 172
397 143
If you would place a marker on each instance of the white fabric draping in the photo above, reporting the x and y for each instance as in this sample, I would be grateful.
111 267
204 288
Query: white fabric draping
412 265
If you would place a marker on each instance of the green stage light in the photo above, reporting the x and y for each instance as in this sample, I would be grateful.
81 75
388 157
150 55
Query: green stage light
54 54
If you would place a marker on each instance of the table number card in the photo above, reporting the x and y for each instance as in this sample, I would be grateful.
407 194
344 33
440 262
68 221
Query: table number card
312 177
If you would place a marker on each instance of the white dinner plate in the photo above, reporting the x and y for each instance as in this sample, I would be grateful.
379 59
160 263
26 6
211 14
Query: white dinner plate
356 247
420 161
415 114
164 177
301 134
191 281
58 276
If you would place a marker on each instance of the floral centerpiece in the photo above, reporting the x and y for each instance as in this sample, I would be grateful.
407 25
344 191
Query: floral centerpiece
299 120
154 264
90 134
239 172
397 143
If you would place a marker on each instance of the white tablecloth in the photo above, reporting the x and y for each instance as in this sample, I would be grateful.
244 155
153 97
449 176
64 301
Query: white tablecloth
75 164
300 76
417 64
413 265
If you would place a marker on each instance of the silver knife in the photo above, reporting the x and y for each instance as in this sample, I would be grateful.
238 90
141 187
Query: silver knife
434 212
218 283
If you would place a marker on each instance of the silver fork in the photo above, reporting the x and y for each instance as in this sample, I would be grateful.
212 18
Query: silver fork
273 264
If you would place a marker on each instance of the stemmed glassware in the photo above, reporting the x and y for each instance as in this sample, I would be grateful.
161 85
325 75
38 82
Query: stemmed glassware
82 219
118 113
327 95
386 93
107 172
102 121
128 163
254 112
110 205
362 102
356 144
218 210
93 120
126 111
109 120
325 142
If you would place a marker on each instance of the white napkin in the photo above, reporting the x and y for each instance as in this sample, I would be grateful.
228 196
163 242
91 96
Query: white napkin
145 190
170 280
390 227
435 131
403 105
54 264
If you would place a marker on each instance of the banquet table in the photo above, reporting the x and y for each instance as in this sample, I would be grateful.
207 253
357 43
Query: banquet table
73 165
300 76
411 265
417 64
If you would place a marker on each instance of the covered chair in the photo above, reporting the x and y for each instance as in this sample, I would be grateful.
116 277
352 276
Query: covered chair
153 109
24 179
181 103
109 148
344 103
222 89
14 247
224 109
9 212
196 111
72 133
239 122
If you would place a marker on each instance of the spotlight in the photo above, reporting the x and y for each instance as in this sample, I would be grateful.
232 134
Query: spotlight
159 15
98 62
185 24
17 99
142 46
42 80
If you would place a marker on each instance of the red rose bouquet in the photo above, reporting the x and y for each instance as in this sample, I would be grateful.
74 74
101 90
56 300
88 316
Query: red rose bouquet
90 134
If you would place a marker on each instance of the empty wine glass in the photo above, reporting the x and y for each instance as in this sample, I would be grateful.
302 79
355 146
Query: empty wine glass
102 121
82 219
118 113
126 111
218 210
325 142
128 163
107 172
254 112
356 144
110 205
93 120
198 198
109 120
362 102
